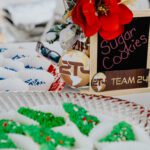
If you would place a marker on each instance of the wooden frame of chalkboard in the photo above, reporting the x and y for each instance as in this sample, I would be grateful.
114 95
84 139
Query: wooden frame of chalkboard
94 62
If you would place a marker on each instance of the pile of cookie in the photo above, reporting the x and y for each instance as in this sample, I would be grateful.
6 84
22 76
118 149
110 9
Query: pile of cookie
24 70
67 127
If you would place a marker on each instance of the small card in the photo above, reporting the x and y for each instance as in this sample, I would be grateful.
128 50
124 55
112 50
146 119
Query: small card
117 80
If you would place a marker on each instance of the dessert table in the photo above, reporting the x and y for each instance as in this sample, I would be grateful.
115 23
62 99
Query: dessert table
49 86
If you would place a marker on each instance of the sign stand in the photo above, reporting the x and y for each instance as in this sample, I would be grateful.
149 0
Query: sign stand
136 84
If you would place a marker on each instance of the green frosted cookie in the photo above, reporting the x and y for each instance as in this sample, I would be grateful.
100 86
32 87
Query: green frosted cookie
121 132
47 120
8 126
81 118
47 138
6 142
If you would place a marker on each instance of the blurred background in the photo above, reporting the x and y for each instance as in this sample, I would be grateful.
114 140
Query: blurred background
29 20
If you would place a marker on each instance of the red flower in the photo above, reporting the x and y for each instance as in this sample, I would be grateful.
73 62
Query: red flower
107 17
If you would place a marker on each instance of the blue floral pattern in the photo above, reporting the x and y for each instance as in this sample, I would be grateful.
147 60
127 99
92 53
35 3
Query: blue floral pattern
30 67
2 50
18 57
12 69
1 78
35 82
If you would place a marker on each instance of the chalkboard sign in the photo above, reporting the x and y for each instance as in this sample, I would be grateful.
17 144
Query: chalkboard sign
122 63
126 51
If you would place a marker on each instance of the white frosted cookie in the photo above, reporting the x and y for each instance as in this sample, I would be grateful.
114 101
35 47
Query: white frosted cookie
12 65
35 62
16 54
3 49
101 130
82 142
37 80
22 142
13 84
5 73
1 59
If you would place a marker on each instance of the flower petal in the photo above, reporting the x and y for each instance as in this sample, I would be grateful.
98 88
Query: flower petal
77 15
89 12
125 15
112 5
91 30
110 23
111 35
110 2
84 15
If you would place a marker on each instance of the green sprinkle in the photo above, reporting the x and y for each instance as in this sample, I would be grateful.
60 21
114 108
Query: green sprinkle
121 132
6 142
80 117
44 119
48 138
